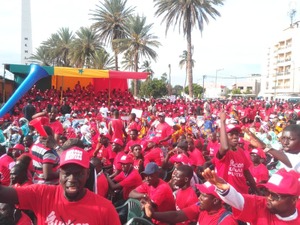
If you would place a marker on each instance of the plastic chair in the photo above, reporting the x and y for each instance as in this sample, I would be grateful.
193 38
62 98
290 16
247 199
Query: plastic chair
133 207
138 221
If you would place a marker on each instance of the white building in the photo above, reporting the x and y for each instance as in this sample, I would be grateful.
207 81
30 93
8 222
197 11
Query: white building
281 73
26 33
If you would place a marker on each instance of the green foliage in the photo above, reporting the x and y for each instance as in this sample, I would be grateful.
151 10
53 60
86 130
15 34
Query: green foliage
236 91
153 87
177 89
198 90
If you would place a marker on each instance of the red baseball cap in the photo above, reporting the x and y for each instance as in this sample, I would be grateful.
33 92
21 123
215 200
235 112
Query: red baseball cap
207 188
75 155
19 147
118 141
259 152
180 158
231 127
284 182
126 159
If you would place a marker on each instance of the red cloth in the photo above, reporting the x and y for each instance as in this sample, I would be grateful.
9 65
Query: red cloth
163 130
24 220
231 167
51 207
213 148
260 173
6 163
129 182
204 218
154 155
102 185
57 127
259 212
117 128
161 195
196 157
185 198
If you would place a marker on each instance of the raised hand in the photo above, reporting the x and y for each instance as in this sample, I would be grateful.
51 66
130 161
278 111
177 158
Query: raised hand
213 178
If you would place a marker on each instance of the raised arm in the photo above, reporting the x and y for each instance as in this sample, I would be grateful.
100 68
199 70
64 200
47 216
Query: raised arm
8 195
223 136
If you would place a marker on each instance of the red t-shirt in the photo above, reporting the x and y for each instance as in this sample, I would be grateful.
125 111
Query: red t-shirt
154 155
24 220
204 218
117 128
196 157
213 148
231 167
131 143
57 127
116 164
163 130
129 182
260 173
161 195
260 213
6 163
185 198
102 185
51 207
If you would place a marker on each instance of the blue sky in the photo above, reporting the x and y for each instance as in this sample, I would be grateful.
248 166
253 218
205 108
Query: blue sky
236 42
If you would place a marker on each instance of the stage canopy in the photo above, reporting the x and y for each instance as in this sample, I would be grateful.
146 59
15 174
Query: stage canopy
67 77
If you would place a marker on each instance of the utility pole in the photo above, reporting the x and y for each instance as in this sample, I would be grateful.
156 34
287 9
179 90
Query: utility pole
204 76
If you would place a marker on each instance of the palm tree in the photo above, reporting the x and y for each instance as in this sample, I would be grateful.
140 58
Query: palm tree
139 42
84 47
110 17
128 62
187 14
102 60
58 47
183 62
41 57
146 67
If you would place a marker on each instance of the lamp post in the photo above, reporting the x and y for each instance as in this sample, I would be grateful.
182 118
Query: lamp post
218 70
170 86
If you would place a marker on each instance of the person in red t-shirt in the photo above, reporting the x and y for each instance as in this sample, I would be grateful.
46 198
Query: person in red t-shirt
101 183
185 196
278 207
152 153
19 217
208 211
67 203
134 140
6 163
258 170
230 161
155 190
116 128
117 147
127 180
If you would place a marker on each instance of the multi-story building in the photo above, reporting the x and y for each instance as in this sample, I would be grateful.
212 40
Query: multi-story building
281 73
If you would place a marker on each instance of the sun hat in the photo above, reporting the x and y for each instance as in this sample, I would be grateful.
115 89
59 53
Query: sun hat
180 158
118 141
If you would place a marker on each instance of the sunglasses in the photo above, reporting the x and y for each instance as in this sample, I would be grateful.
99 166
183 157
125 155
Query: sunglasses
275 196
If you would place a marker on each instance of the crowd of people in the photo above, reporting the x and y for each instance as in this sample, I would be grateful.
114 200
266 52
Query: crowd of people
76 157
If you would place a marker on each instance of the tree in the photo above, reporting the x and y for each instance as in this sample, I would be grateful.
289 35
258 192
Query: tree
110 17
183 62
198 90
236 91
155 87
41 57
187 14
58 47
177 89
146 67
102 60
138 42
84 47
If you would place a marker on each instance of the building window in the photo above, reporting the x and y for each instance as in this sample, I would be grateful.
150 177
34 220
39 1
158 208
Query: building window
26 39
25 45
26 51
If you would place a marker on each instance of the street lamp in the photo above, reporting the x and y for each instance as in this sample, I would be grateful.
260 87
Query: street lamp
218 70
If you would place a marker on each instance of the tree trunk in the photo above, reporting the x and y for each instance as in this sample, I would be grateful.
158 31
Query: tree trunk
136 68
189 58
116 61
